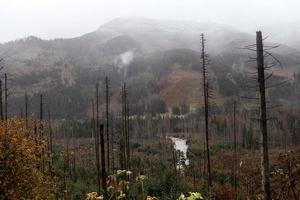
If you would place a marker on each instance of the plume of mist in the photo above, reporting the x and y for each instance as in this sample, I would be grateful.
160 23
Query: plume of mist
123 60
238 68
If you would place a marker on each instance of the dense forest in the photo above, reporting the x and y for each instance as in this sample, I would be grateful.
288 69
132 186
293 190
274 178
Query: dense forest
163 112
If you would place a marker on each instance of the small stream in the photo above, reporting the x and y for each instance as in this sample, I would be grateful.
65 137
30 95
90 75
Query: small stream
181 147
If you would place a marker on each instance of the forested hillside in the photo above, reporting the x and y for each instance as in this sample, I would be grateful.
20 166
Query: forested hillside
147 54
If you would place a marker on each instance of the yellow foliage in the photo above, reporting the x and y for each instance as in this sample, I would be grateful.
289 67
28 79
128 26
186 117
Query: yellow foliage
22 173
94 196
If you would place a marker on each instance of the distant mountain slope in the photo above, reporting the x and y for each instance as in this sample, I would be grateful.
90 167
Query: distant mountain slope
182 87
141 51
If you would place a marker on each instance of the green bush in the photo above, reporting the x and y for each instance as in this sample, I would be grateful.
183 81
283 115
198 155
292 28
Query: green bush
165 186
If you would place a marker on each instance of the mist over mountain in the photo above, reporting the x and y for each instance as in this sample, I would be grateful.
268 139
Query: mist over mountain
150 99
155 57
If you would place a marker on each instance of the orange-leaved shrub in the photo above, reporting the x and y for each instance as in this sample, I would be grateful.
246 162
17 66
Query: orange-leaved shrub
22 163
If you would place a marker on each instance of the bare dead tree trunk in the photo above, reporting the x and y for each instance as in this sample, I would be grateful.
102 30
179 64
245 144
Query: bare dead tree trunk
1 102
74 154
93 130
205 91
294 137
122 139
112 145
103 158
127 127
263 118
35 131
97 139
26 109
21 113
41 126
41 132
235 150
67 138
6 97
107 124
50 142
66 159
65 179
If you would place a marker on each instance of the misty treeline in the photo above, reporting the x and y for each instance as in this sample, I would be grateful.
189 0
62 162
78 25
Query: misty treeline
244 147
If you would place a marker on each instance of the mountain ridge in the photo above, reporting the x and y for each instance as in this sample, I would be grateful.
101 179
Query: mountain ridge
142 52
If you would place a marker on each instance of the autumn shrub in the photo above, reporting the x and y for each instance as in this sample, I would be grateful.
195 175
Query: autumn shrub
22 163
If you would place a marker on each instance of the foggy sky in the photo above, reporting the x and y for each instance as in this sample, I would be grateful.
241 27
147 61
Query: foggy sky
50 19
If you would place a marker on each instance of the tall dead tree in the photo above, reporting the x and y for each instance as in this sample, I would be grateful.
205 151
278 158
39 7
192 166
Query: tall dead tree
112 144
235 168
93 129
103 170
50 143
261 77
122 138
1 102
107 124
41 127
5 97
125 120
26 109
93 119
97 142
127 127
263 117
1 92
21 113
206 104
